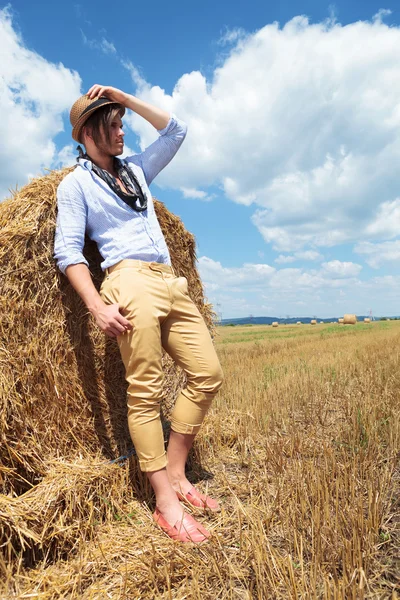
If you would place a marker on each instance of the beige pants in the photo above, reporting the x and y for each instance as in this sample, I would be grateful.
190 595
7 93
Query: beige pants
163 315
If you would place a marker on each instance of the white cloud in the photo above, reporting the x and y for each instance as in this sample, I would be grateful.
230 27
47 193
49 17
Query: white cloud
381 14
103 45
107 47
342 269
231 36
285 259
212 272
299 280
387 220
378 254
311 255
193 193
139 81
66 157
301 121
330 291
333 274
34 95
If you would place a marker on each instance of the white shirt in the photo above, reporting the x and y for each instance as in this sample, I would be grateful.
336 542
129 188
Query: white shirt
86 204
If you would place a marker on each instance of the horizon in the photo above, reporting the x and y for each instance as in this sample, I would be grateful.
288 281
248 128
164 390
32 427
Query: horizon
299 317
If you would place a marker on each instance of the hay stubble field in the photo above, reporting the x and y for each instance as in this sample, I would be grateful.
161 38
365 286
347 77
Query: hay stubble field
301 447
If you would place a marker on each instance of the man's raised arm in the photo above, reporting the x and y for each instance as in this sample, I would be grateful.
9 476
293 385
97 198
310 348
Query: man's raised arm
157 117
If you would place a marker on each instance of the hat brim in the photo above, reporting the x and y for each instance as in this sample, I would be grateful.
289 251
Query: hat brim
76 131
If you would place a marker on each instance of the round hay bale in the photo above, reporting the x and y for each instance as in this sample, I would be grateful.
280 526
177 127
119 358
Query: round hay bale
298 323
62 387
349 319
48 519
340 321
313 322
367 320
275 324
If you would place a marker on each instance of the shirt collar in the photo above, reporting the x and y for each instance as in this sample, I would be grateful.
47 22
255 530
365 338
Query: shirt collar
85 163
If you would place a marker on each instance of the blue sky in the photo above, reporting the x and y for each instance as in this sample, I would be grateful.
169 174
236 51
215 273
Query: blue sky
288 177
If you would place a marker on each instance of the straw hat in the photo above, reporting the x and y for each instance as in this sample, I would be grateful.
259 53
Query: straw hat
83 108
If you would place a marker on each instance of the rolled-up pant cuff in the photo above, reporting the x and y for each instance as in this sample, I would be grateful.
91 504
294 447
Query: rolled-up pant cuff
184 427
155 464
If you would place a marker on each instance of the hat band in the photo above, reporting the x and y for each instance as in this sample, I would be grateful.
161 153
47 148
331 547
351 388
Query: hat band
96 104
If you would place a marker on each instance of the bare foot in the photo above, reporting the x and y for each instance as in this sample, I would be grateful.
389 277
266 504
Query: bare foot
171 510
195 498
180 483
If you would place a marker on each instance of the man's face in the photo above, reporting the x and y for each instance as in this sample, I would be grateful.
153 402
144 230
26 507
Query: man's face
116 134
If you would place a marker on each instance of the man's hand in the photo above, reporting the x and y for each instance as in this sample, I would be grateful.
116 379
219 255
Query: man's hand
155 116
107 316
112 93
110 320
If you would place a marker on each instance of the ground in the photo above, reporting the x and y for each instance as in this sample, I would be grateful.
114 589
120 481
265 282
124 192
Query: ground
301 448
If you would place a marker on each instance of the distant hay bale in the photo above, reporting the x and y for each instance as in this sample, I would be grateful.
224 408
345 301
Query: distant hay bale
321 322
367 320
340 321
275 324
313 322
62 388
349 319
298 323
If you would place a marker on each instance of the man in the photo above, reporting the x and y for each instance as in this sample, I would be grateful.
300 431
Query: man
141 302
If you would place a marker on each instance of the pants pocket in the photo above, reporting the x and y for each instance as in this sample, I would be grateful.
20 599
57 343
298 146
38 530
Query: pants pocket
110 288
183 285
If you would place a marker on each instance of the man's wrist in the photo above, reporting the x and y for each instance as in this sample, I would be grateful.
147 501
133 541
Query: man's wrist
95 306
129 101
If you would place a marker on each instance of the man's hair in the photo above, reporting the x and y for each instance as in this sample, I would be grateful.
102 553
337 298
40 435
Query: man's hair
101 119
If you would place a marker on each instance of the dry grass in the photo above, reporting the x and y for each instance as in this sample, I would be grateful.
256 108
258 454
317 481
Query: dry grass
301 447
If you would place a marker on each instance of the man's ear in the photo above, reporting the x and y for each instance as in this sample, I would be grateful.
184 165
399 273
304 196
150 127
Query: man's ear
86 133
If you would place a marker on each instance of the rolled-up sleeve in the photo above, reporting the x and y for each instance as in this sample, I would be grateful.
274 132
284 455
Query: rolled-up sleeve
161 152
71 224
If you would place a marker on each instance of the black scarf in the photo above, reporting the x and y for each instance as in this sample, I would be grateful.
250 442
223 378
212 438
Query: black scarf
135 197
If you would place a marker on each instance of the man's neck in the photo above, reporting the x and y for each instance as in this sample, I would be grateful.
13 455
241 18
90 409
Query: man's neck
104 161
